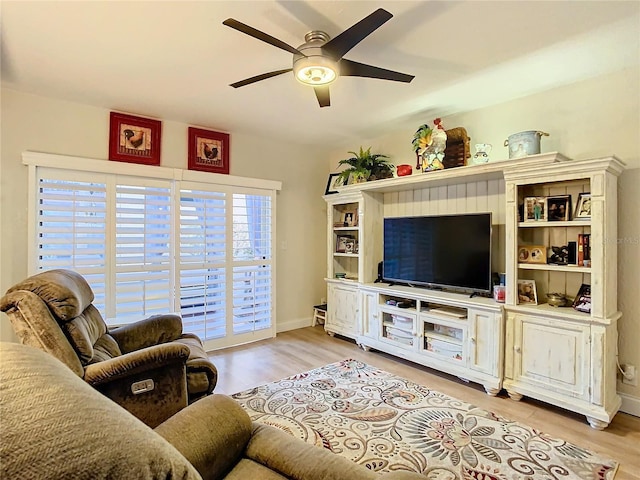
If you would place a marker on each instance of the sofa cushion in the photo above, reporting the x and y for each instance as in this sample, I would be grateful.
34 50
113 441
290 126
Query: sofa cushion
65 292
54 425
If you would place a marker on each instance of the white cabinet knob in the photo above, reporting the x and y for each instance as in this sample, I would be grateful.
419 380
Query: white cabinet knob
473 340
517 349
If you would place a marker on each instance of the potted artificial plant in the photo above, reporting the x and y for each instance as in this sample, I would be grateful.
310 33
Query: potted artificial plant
366 166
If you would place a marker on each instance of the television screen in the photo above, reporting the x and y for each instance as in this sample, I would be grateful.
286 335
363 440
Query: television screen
442 251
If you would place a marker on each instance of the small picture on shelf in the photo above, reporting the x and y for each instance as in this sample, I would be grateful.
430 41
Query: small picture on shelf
335 181
582 302
341 243
559 208
350 218
527 293
350 246
532 254
535 209
583 207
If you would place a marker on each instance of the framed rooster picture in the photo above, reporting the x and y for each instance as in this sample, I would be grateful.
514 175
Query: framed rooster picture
134 139
208 151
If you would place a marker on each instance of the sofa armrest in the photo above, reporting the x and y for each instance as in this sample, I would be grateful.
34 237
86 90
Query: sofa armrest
211 433
144 360
145 333
297 460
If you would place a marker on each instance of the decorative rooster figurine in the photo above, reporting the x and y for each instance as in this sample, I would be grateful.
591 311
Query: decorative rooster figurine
433 155
421 140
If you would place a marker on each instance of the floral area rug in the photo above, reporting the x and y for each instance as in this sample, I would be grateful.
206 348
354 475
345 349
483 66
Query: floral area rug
389 423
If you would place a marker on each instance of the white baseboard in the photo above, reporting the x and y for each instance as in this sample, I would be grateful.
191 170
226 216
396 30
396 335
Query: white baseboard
630 405
293 324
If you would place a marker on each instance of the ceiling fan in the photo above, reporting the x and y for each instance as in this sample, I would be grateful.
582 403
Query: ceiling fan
319 61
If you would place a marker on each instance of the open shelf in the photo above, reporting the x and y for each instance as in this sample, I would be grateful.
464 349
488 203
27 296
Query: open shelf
554 268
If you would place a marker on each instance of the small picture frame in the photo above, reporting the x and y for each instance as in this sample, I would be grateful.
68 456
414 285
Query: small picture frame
535 209
582 302
208 151
583 207
559 208
527 293
532 254
350 218
333 183
350 246
341 244
134 139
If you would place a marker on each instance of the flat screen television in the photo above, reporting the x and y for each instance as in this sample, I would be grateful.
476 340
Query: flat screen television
446 251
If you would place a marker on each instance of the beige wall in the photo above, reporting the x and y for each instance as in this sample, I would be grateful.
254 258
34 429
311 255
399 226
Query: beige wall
592 118
43 124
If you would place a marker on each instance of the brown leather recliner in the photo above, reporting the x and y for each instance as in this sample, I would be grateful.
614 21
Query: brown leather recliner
149 367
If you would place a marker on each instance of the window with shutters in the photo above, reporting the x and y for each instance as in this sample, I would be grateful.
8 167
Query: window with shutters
157 245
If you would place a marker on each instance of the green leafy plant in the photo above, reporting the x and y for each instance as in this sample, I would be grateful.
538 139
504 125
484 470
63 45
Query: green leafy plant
366 166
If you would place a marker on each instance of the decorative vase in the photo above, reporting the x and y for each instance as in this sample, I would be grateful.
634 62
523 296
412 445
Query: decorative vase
403 170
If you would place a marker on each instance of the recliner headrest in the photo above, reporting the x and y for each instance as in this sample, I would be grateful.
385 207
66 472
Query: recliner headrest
66 293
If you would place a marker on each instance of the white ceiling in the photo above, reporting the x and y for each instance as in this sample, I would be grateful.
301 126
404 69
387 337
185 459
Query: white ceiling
174 60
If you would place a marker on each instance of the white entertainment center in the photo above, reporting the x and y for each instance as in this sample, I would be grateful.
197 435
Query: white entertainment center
555 354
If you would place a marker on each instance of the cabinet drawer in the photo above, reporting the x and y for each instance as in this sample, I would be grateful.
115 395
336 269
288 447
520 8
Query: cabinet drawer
441 347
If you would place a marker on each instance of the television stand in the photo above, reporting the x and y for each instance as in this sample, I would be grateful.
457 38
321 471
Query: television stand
450 332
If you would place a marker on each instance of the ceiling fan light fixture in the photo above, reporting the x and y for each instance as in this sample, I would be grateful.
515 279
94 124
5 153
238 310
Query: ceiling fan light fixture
315 70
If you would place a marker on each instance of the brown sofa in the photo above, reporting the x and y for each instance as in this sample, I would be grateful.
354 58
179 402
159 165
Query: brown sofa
149 367
56 426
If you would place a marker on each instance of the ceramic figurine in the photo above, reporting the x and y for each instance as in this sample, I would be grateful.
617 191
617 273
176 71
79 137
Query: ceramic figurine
433 154
482 153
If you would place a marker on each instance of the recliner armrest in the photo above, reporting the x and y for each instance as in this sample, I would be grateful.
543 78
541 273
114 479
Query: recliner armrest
145 333
146 359
297 460
211 433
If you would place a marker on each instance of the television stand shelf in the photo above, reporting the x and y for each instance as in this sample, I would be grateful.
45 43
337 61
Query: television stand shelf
450 332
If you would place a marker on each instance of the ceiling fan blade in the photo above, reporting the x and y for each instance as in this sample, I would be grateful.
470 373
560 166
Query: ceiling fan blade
338 46
252 32
257 78
322 94
349 68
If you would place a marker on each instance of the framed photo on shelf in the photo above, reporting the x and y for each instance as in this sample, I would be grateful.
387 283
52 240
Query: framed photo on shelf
583 206
350 218
208 151
559 208
341 243
335 181
532 254
350 246
582 302
134 139
535 209
527 293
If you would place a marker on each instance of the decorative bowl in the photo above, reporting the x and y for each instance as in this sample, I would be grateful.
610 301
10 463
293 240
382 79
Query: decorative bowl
557 299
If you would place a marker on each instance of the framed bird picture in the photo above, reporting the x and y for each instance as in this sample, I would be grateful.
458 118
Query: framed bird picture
208 151
134 139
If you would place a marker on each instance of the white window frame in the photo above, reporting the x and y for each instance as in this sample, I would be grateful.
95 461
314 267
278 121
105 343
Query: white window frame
175 178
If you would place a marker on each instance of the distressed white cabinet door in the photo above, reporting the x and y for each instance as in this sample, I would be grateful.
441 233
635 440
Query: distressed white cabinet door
485 339
552 355
342 311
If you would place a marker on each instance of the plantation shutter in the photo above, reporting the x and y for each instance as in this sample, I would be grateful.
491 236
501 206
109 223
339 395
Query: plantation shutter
154 240
143 279
71 225
202 263
252 278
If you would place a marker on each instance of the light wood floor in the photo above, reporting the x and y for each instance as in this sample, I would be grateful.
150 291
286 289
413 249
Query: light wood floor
300 350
